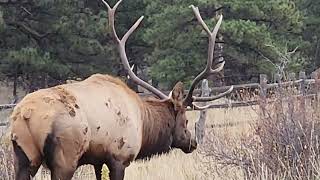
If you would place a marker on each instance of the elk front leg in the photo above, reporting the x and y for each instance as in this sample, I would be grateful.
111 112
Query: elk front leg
116 169
97 170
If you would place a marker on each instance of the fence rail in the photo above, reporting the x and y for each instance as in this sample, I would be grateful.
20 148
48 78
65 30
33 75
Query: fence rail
224 88
7 106
247 86
263 86
4 124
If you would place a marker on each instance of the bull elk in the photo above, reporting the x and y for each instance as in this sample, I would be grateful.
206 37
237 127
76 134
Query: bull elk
100 120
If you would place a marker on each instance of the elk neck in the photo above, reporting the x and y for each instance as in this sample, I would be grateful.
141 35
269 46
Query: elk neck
158 119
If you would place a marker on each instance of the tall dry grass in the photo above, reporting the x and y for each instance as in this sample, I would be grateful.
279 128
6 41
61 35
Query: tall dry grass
176 164
240 143
283 143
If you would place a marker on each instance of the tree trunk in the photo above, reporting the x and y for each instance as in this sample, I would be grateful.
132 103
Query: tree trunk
44 80
200 125
33 79
14 92
317 54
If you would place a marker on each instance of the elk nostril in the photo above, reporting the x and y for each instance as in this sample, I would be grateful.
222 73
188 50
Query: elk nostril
194 144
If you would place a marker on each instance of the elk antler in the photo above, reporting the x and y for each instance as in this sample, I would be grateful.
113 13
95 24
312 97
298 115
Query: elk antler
122 50
218 66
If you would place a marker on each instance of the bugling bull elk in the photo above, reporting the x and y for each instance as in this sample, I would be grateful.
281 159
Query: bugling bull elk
100 120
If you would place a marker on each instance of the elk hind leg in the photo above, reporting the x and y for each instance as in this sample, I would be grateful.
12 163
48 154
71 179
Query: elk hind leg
21 163
62 168
61 161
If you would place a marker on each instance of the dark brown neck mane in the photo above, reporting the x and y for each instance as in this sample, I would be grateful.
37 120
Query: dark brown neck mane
158 123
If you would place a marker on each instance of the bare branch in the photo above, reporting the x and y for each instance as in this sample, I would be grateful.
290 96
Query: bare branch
28 12
28 30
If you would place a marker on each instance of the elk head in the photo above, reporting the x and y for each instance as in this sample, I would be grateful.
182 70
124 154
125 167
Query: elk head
181 135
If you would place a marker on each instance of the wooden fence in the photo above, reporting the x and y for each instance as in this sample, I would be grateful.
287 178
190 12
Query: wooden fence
305 87
262 88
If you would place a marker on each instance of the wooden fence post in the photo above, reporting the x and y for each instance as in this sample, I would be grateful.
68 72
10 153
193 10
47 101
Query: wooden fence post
302 87
200 125
302 90
279 97
292 78
316 91
277 79
263 94
314 75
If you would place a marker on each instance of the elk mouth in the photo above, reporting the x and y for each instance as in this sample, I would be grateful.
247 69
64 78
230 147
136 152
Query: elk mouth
191 147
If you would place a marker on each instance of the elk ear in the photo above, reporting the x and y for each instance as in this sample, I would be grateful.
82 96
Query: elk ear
176 96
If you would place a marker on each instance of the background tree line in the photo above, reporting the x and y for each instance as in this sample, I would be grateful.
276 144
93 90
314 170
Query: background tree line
45 42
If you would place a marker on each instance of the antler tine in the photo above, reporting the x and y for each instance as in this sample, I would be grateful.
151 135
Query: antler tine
196 107
211 98
208 69
122 49
111 13
131 30
105 3
205 99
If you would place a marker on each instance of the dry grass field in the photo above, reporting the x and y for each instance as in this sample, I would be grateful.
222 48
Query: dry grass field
176 164
239 144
